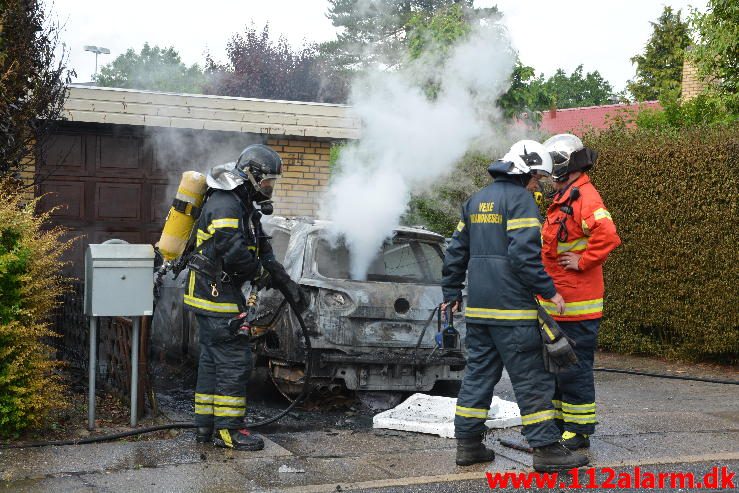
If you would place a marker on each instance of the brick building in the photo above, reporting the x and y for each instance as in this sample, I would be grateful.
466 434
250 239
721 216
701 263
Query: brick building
692 84
112 167
580 120
305 177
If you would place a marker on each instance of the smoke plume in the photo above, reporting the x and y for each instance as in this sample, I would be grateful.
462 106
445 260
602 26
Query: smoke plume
176 150
410 140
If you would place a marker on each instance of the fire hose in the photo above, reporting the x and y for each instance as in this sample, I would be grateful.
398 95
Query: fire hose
304 393
185 425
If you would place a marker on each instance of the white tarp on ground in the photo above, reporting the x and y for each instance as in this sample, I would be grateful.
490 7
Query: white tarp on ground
435 415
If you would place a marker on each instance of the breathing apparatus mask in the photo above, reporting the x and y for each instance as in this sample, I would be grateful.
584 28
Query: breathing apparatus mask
260 166
262 187
248 195
253 176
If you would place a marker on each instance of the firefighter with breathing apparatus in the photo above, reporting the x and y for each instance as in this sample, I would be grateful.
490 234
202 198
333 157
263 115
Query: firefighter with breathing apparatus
230 258
577 237
497 244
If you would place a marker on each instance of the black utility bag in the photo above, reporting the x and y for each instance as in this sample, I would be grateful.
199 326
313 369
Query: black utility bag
558 351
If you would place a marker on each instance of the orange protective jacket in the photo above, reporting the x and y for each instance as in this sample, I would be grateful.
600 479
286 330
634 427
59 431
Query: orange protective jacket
590 233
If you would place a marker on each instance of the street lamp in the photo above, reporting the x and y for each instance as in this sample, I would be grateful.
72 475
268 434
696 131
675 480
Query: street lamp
98 50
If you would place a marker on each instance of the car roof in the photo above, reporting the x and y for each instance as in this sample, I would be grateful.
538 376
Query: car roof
291 223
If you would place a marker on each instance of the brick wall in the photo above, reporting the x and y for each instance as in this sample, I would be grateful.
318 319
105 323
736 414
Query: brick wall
305 174
692 84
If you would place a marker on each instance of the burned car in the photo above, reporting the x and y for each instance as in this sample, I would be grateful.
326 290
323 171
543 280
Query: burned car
370 335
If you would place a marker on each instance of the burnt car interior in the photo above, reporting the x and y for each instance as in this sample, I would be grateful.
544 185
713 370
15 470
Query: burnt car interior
401 260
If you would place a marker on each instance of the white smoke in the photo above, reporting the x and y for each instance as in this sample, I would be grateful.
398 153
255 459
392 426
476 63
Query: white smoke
176 150
410 141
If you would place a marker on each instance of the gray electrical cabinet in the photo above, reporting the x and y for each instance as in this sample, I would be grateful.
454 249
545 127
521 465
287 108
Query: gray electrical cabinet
119 280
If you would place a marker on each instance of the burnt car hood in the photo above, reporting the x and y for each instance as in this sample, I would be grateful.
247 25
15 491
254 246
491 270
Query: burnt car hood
375 314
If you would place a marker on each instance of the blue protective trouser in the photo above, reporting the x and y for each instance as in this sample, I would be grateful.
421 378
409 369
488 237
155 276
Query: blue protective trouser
223 372
519 349
574 397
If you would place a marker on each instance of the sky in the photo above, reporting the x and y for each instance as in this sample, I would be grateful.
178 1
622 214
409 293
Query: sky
548 35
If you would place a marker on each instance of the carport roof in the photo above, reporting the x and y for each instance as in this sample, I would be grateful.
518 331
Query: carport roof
197 111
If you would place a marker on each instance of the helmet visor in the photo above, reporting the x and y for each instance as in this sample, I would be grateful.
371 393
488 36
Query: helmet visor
561 164
267 185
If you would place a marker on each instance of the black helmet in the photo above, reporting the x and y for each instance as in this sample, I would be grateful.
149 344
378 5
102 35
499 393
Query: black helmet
260 166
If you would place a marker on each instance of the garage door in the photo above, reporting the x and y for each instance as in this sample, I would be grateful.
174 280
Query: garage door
117 181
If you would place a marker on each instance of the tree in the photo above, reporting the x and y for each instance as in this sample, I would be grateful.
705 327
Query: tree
716 51
525 95
659 68
259 67
154 68
444 29
32 83
527 92
438 31
376 31
429 41
574 90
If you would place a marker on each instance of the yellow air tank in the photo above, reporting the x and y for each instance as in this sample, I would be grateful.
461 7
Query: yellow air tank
182 215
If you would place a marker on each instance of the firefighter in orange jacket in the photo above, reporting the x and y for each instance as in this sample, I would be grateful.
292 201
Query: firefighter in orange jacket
577 237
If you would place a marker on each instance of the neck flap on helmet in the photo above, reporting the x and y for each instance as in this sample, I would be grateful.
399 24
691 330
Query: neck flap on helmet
580 160
223 177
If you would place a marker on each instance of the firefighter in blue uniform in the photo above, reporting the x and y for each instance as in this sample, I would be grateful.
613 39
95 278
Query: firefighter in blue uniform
234 251
498 246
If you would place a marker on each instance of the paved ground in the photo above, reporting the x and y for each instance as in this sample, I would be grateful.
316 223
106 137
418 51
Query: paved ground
657 424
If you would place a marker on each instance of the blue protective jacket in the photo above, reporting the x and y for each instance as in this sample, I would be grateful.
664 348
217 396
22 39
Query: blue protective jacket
231 243
498 244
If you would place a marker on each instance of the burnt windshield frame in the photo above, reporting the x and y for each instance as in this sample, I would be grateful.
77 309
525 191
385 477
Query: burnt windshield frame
420 258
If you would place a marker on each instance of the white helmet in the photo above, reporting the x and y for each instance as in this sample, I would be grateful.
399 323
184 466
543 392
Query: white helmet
528 156
565 150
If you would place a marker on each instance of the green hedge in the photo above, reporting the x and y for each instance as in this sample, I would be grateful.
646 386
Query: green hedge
672 287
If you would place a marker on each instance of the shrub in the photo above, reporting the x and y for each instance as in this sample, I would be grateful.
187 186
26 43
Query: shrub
671 286
673 194
707 108
439 208
29 287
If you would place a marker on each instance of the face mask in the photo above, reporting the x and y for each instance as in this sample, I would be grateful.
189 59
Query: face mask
266 186
266 192
266 207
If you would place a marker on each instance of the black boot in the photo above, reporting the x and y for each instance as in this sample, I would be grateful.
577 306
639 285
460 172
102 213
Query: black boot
238 440
472 451
204 434
574 441
556 457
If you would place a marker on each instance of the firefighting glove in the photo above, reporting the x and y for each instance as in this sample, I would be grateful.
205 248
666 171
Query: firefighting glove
263 280
296 296
280 279
558 350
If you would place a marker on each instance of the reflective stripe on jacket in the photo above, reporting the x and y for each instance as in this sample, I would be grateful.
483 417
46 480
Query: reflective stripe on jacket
590 233
221 225
498 245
